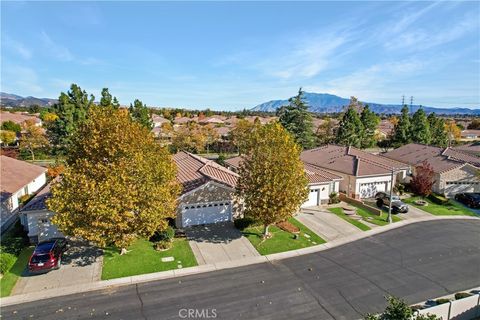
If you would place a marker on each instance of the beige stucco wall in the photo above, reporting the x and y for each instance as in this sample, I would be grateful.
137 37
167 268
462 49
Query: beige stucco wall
466 173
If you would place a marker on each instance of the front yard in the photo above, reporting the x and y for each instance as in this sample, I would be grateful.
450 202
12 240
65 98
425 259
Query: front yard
452 208
339 212
281 240
143 258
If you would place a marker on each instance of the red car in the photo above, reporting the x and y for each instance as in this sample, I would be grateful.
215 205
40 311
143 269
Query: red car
47 255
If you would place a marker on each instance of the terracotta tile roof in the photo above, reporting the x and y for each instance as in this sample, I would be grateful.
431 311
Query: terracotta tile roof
472 148
16 174
223 131
441 159
193 171
17 117
470 133
350 160
314 174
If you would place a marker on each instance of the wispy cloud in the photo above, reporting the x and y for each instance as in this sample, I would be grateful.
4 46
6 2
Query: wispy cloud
18 47
20 79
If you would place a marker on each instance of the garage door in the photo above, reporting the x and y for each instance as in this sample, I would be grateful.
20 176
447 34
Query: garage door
454 187
312 198
368 190
206 213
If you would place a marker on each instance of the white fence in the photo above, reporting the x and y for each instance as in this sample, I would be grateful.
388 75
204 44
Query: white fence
463 309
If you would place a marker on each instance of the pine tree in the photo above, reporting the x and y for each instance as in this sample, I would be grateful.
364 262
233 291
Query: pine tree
296 119
420 131
401 131
107 100
350 129
141 114
370 122
437 130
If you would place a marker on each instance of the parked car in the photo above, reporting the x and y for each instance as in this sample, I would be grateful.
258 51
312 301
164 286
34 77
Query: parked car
47 255
398 206
470 199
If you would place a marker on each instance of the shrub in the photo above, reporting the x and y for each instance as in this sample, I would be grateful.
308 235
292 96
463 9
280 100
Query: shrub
442 301
243 223
24 199
165 235
438 199
334 198
162 245
461 295
399 189
6 262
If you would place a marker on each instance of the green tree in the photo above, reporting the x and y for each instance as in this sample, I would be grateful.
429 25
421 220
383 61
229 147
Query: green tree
107 100
437 130
118 184
71 109
398 309
34 108
296 119
11 126
141 114
350 129
370 122
326 132
272 180
401 131
420 128
8 137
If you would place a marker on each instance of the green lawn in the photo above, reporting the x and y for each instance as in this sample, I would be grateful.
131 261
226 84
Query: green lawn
356 223
372 218
281 240
143 258
451 209
10 278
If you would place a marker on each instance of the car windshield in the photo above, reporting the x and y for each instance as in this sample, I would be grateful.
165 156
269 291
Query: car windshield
395 198
40 258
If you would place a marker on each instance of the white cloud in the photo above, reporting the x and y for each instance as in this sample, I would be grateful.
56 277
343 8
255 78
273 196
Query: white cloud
57 50
17 47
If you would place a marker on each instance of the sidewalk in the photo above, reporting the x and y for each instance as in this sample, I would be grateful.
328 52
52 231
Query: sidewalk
45 294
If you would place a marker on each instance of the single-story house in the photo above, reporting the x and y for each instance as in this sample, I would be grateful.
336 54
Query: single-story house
208 191
471 148
455 170
470 135
321 183
363 174
19 118
18 178
158 121
35 218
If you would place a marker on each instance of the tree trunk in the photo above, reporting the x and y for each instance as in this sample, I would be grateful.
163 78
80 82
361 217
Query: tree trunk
266 235
33 155
123 251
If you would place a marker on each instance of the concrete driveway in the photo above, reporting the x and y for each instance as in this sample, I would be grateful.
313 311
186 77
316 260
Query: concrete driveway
80 264
325 224
218 243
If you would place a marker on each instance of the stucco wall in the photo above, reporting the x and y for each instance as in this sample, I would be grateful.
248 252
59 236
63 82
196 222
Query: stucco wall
39 226
32 187
466 173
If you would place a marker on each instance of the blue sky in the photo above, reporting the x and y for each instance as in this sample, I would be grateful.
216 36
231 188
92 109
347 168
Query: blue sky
231 55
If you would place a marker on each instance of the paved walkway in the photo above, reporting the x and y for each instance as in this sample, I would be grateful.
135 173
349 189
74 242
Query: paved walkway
326 224
81 264
219 243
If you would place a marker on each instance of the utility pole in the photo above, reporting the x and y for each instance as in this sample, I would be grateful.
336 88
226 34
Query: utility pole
411 104
403 100
390 200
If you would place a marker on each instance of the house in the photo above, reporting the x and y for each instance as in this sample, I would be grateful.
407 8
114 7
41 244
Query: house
321 183
363 174
208 191
470 135
384 129
19 118
18 178
158 121
455 170
471 148
211 120
35 218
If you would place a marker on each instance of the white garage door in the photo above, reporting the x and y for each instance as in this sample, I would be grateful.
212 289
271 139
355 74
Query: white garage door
205 213
454 187
312 199
368 190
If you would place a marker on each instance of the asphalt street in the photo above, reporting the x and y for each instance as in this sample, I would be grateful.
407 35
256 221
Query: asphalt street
415 262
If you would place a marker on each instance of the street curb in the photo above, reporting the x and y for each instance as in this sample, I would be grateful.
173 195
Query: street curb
106 284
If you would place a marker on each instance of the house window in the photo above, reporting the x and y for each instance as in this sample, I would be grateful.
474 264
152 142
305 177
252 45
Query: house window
25 190
44 220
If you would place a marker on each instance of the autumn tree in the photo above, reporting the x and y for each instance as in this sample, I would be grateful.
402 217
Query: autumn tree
71 109
453 131
370 122
8 137
326 132
48 117
240 134
423 179
118 183
401 131
297 120
141 114
32 139
350 128
438 134
272 180
420 128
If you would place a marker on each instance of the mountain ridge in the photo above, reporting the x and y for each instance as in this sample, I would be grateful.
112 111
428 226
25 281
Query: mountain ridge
13 100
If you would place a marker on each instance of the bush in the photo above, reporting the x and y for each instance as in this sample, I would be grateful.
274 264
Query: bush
25 198
399 189
243 223
334 198
442 301
6 262
165 235
461 295
162 245
438 199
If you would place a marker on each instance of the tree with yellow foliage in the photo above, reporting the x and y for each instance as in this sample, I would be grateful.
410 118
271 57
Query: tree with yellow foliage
118 184
453 131
7 137
272 183
33 138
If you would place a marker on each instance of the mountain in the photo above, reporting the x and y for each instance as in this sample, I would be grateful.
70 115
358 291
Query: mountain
329 103
13 100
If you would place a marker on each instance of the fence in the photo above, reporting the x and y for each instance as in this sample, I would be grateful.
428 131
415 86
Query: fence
463 309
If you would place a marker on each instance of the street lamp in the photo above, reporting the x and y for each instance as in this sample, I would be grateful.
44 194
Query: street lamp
391 194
